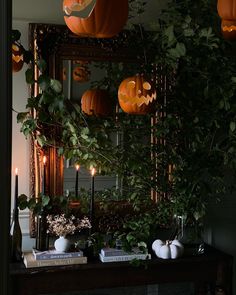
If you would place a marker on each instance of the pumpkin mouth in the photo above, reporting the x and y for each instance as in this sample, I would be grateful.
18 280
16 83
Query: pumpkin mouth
82 9
139 100
17 58
228 28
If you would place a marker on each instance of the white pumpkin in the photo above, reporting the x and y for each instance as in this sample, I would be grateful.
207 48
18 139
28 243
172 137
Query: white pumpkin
168 249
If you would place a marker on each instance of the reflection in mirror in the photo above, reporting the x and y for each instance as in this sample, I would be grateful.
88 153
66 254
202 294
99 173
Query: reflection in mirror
80 76
126 158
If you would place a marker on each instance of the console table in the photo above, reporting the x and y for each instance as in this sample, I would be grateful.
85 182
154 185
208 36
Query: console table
214 267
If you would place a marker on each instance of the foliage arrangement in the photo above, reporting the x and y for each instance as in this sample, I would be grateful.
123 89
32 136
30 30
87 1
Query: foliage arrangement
195 124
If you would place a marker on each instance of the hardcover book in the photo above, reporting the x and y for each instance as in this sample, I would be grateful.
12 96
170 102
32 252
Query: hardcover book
107 252
128 257
53 254
30 261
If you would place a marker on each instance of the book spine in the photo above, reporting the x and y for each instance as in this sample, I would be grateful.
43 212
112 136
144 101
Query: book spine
58 256
56 262
113 253
124 258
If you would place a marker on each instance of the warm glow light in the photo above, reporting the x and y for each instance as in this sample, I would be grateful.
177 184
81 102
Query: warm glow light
93 171
77 167
44 160
16 171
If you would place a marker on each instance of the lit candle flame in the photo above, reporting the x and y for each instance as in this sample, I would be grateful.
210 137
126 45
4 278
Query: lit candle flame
77 167
16 171
93 171
44 160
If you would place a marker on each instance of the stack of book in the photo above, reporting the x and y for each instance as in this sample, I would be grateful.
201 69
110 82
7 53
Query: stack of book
52 258
115 255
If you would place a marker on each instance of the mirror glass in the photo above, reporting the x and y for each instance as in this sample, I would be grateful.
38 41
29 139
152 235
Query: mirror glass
81 64
79 76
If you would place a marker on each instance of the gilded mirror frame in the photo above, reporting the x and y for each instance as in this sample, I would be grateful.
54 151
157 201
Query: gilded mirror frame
55 43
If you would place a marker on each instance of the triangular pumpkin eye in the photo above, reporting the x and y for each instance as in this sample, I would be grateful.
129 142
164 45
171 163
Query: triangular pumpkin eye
131 85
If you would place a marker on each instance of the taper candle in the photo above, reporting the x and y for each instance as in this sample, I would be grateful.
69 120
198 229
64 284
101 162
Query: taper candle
16 188
91 213
44 175
77 181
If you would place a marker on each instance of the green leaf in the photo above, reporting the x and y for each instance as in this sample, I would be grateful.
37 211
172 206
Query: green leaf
22 202
56 85
15 35
21 117
44 82
233 79
169 33
42 65
29 76
45 200
232 126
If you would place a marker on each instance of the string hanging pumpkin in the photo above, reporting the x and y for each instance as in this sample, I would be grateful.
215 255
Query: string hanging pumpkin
227 12
96 102
136 95
17 58
106 19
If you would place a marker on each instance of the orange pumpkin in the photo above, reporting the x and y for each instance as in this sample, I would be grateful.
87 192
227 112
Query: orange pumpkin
105 20
96 102
81 74
17 58
227 12
136 95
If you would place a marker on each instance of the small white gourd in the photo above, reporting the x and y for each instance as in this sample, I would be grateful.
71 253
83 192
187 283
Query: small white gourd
167 249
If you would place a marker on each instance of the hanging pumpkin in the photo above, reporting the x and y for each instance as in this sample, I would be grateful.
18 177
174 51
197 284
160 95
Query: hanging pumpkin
227 12
136 95
106 19
96 102
17 58
81 74
167 249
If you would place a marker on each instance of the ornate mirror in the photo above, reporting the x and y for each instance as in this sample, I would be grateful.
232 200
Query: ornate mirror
80 64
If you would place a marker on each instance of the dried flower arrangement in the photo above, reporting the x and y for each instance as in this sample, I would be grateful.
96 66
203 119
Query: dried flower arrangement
61 225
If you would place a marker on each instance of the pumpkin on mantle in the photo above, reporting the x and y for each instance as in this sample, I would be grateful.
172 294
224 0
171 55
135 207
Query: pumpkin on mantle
136 95
106 19
17 58
96 102
227 12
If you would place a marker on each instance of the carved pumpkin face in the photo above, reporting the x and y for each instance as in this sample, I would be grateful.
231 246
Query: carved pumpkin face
78 5
227 12
17 58
81 74
136 95
96 102
106 19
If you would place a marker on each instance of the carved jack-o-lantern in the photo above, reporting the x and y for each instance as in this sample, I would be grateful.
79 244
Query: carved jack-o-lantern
136 95
17 58
227 12
96 102
106 19
81 72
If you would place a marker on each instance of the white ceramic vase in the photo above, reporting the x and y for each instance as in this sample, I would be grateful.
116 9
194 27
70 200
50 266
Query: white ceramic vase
61 244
